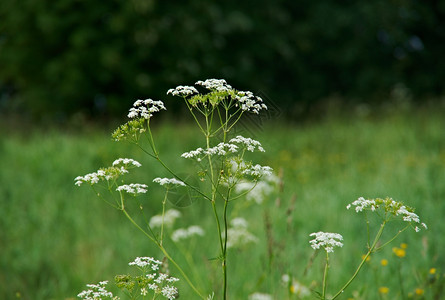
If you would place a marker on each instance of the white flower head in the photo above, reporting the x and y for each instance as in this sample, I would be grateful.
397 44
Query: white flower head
169 218
133 188
126 162
110 173
183 91
258 171
185 233
168 182
143 262
249 102
326 240
248 143
196 154
97 291
238 234
389 206
219 85
145 108
260 296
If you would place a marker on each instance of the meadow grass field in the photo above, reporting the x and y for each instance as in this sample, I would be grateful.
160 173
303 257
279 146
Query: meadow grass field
56 237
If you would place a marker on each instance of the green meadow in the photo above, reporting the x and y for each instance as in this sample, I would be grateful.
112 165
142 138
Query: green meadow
56 237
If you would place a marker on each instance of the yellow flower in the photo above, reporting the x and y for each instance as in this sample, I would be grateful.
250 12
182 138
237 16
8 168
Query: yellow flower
383 290
419 292
384 262
399 252
367 259
433 271
403 245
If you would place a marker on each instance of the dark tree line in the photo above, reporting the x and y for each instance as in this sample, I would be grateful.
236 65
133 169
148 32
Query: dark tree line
66 56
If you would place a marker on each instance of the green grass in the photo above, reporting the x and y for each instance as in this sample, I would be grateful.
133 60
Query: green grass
56 237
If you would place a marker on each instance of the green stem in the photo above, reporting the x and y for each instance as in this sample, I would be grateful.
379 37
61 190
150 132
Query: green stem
371 249
165 253
325 277
163 214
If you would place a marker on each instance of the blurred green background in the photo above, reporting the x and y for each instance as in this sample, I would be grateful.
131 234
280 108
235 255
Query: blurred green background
356 91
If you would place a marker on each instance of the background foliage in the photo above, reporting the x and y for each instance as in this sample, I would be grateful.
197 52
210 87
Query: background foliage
56 237
97 57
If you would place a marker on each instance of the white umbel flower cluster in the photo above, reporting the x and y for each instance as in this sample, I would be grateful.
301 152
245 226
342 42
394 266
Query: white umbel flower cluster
389 206
260 296
248 143
238 234
168 181
120 167
185 233
326 240
258 171
126 162
159 283
221 149
249 102
145 108
219 85
146 263
101 174
97 291
169 218
133 188
183 91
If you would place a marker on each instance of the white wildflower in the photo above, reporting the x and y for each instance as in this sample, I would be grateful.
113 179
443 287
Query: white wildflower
249 102
168 181
169 292
361 204
143 262
185 233
238 234
143 291
257 191
133 188
326 240
126 162
183 91
249 144
221 149
101 174
96 291
219 85
390 207
239 222
260 296
193 154
258 171
145 108
407 216
169 218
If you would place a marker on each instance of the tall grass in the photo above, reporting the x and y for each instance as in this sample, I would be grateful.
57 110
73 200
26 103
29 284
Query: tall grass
55 237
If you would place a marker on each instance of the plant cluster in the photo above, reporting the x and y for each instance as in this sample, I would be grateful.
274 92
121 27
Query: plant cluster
225 176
